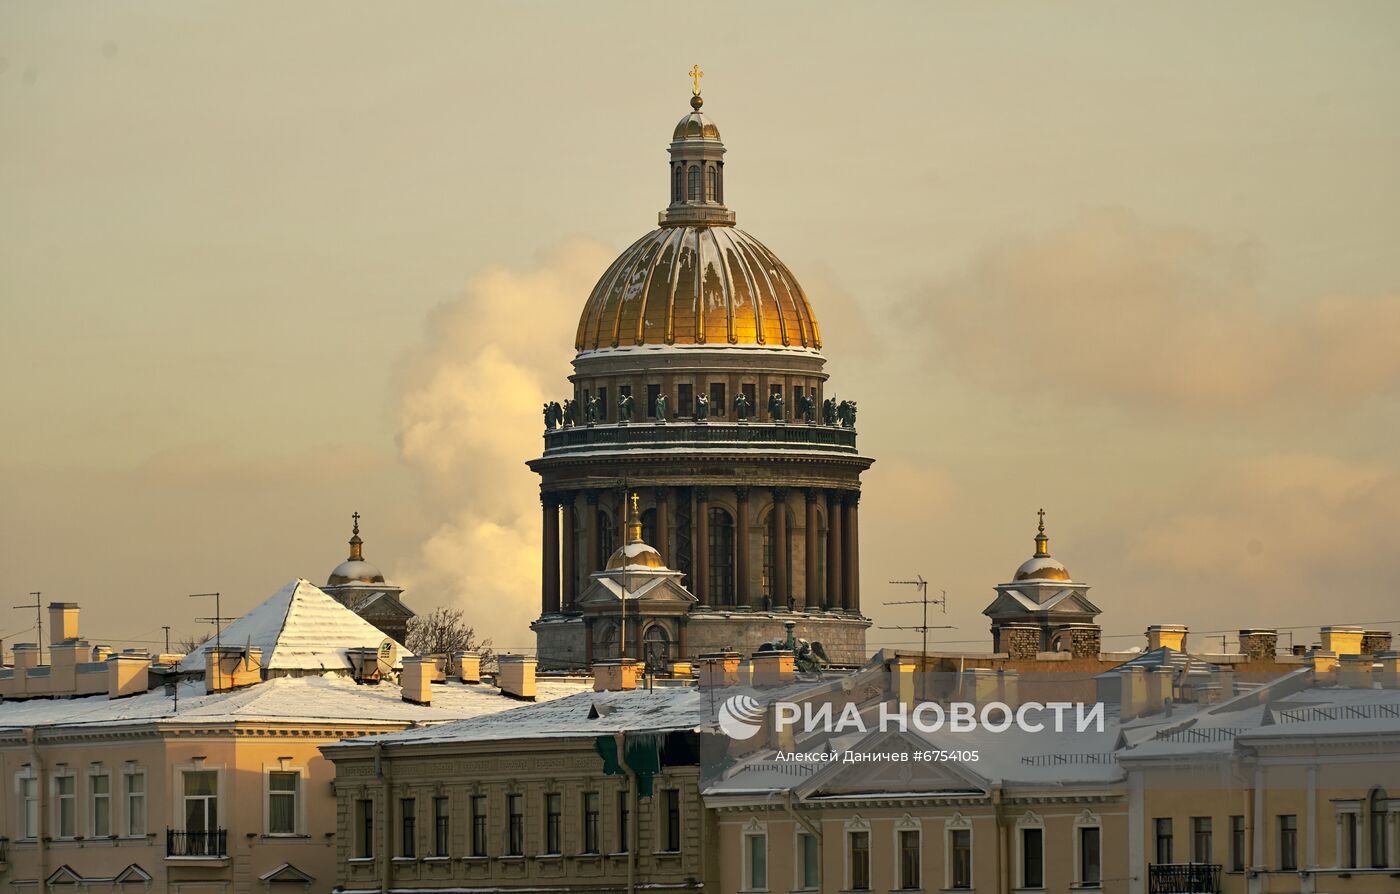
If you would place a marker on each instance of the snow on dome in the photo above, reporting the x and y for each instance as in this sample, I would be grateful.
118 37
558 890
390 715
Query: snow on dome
355 570
1041 568
297 628
636 556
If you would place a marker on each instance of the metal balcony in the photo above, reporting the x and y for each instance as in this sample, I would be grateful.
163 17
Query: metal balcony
1183 878
213 843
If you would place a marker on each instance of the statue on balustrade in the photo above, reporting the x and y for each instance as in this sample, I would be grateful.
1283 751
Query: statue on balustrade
775 407
570 412
624 409
592 407
661 407
702 408
829 414
846 412
741 407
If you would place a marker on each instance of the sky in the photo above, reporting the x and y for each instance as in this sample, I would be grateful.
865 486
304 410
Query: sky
263 265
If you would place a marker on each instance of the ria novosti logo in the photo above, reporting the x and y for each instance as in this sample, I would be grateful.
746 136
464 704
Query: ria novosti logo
742 716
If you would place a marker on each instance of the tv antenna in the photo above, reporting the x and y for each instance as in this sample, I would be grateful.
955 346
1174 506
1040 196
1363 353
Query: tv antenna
923 627
38 620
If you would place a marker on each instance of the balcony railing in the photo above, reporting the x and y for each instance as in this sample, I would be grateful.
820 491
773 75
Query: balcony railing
1183 878
702 436
213 843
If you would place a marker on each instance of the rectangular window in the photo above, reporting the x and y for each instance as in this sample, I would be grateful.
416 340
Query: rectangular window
1162 828
136 804
672 803
201 800
685 401
960 858
1288 841
756 855
590 822
603 404
1090 859
553 818
1350 845
1237 844
66 791
515 825
624 816
442 825
100 805
1200 839
808 862
909 858
858 858
29 810
282 802
717 399
1032 858
408 827
1380 854
478 825
364 828
653 392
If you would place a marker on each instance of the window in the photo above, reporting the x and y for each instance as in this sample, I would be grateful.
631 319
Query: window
1350 850
136 803
590 822
442 825
672 803
1288 841
282 802
909 858
1380 856
553 816
770 534
960 858
721 557
624 814
1237 844
693 183
685 401
1200 839
653 392
1090 860
678 184
515 825
478 825
755 861
201 800
1162 827
66 795
1033 858
408 827
858 859
29 807
364 828
712 185
603 404
717 398
808 862
100 805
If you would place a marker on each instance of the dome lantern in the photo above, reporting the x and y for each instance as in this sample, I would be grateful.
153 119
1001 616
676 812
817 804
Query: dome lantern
1041 567
697 169
355 568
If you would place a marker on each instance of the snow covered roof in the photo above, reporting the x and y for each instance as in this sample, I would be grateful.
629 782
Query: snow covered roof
308 700
1162 657
299 627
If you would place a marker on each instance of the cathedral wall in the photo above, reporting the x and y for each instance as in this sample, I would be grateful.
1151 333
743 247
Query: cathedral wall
843 639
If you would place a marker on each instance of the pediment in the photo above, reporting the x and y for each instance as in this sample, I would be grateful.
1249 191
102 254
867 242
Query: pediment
928 778
64 875
132 875
605 593
287 874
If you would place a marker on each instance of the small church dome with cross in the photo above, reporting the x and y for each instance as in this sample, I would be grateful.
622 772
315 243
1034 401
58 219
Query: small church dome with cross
635 554
355 568
1041 566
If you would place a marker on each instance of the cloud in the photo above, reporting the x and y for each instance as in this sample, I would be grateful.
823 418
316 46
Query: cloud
1114 308
468 408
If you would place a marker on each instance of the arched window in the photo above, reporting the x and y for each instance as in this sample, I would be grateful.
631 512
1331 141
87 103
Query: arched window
1380 853
770 534
719 182
712 186
656 649
693 183
605 540
678 184
721 557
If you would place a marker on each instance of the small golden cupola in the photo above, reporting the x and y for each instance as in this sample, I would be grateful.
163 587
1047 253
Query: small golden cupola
355 568
1041 566
635 554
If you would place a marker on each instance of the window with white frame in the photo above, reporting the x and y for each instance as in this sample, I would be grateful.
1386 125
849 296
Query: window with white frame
27 802
755 851
808 862
200 797
1030 842
65 795
857 855
959 857
1348 834
1088 850
908 848
99 803
283 790
135 781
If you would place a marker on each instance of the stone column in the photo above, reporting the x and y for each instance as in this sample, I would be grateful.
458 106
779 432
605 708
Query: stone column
549 567
813 595
663 523
570 534
742 594
851 561
588 643
835 544
590 500
702 545
780 548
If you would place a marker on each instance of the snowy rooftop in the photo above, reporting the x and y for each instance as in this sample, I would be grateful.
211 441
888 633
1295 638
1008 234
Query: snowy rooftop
305 700
298 628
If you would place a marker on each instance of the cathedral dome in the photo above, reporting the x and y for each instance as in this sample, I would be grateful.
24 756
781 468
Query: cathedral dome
635 555
697 286
695 126
1041 566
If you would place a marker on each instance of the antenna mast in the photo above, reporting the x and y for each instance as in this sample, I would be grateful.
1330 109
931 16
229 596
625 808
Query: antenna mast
38 620
924 627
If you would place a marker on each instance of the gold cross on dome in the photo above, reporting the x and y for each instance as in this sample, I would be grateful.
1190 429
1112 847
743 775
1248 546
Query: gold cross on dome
695 75
1041 513
356 517
634 504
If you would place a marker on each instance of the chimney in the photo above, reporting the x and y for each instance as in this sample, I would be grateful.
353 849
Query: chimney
979 685
1342 640
1171 636
615 674
1224 680
902 673
439 666
416 680
467 666
1322 661
1133 693
69 652
229 667
517 676
681 669
127 673
1355 672
101 653
26 655
772 668
1009 687
1388 672
719 669
1259 643
1159 689
1374 641
63 622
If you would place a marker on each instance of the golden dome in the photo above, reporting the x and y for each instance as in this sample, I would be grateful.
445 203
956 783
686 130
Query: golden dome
697 285
1041 566
355 569
635 555
695 126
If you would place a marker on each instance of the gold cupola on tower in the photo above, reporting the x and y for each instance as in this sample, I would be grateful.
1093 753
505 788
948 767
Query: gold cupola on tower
1041 566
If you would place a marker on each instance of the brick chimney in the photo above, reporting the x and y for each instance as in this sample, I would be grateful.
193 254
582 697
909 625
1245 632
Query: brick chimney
26 655
1355 671
416 680
1259 643
467 666
1342 640
1132 692
1171 636
1322 661
63 622
127 673
229 667
1388 669
615 674
719 669
517 676
1374 641
902 671
772 668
